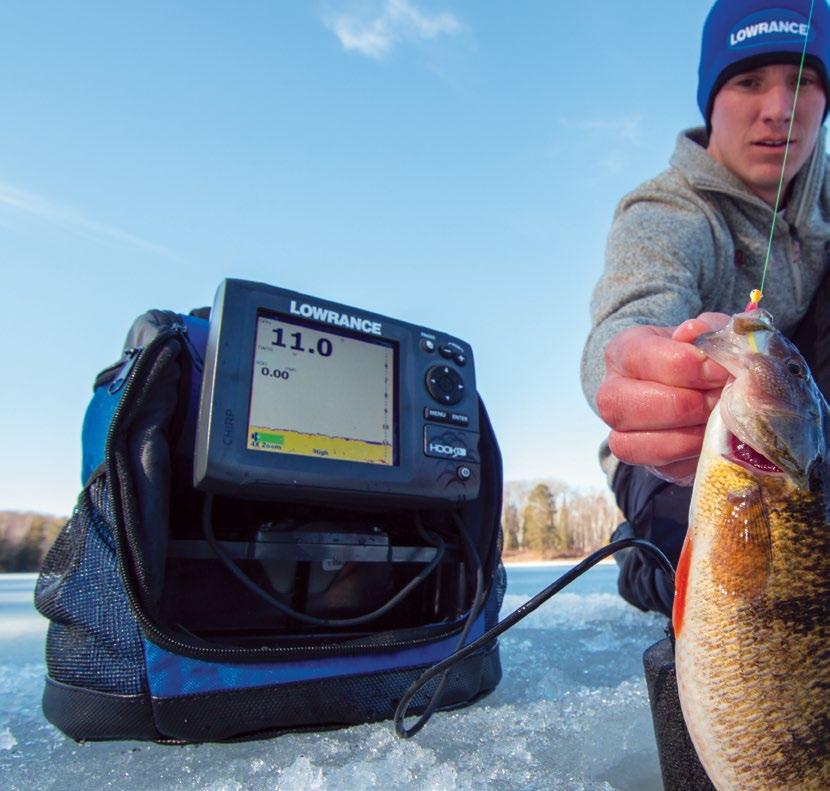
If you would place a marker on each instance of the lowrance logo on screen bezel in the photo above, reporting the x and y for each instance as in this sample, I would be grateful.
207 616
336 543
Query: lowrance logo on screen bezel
312 312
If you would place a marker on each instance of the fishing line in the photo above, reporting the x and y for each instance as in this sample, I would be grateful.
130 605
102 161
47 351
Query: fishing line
756 295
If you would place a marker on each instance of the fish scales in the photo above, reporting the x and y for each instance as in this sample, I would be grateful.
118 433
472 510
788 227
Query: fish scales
752 608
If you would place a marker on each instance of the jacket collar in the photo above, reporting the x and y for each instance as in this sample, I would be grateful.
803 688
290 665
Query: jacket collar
707 175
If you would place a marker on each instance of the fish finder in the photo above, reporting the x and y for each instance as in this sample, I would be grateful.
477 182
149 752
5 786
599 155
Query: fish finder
308 400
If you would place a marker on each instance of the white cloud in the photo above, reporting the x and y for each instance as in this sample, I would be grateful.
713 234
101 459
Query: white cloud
612 163
622 128
398 20
69 219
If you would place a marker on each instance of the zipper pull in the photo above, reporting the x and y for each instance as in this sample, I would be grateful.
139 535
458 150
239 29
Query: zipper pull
131 354
181 328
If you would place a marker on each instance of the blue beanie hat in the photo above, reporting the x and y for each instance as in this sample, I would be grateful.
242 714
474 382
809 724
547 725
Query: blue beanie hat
740 35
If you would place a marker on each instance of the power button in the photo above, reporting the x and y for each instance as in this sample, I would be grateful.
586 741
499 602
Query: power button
464 473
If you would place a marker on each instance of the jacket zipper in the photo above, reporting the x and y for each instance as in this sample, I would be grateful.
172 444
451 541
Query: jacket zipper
795 265
139 360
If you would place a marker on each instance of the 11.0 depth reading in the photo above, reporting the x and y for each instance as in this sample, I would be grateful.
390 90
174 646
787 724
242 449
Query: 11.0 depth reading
323 345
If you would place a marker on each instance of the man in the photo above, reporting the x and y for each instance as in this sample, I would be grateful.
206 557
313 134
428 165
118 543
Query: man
686 249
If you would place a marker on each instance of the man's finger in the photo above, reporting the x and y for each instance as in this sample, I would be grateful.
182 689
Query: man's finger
632 405
657 448
641 353
705 322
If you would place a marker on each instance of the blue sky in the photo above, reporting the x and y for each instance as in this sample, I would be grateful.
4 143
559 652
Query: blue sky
453 164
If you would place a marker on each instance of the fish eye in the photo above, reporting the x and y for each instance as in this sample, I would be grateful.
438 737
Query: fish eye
795 368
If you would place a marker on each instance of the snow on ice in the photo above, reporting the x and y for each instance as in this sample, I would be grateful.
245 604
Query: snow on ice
570 713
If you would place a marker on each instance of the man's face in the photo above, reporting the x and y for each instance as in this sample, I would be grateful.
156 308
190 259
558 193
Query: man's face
750 120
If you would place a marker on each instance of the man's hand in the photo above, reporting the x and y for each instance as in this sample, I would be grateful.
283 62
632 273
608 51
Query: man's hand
657 394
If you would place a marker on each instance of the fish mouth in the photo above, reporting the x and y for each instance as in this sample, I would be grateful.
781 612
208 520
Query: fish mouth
748 438
744 455
764 441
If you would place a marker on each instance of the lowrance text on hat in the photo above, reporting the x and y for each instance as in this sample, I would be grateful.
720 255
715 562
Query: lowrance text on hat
769 27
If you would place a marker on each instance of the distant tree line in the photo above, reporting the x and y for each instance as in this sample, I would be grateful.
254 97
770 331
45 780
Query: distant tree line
25 538
549 519
541 520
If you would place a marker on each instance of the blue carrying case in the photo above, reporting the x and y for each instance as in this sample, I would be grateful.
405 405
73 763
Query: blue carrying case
149 642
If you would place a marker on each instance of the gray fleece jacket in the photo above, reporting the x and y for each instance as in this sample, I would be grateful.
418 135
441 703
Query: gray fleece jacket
694 239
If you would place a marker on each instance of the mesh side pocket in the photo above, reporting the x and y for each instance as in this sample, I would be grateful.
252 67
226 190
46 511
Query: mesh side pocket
94 640
493 606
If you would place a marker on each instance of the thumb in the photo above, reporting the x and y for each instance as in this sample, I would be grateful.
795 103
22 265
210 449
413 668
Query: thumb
705 322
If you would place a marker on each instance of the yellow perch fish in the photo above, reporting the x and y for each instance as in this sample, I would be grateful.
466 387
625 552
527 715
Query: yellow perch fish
752 602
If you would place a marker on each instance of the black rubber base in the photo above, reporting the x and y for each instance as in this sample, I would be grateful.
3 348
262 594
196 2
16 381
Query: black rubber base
260 712
89 715
679 764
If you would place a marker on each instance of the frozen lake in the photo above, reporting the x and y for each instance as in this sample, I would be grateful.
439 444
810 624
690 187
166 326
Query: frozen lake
570 713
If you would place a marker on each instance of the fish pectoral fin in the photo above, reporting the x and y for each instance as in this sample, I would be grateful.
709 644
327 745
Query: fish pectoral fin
742 555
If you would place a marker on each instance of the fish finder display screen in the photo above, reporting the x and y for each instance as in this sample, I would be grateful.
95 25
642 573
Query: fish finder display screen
321 394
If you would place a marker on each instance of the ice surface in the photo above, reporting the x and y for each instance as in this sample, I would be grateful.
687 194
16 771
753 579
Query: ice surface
571 713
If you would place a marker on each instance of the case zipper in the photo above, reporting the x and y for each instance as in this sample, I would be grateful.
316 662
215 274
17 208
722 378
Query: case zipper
140 359
131 353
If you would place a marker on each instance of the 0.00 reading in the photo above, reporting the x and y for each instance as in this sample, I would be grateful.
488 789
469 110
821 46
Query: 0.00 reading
324 347
275 373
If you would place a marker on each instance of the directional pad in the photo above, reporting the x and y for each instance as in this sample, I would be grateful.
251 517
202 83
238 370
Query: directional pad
445 384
